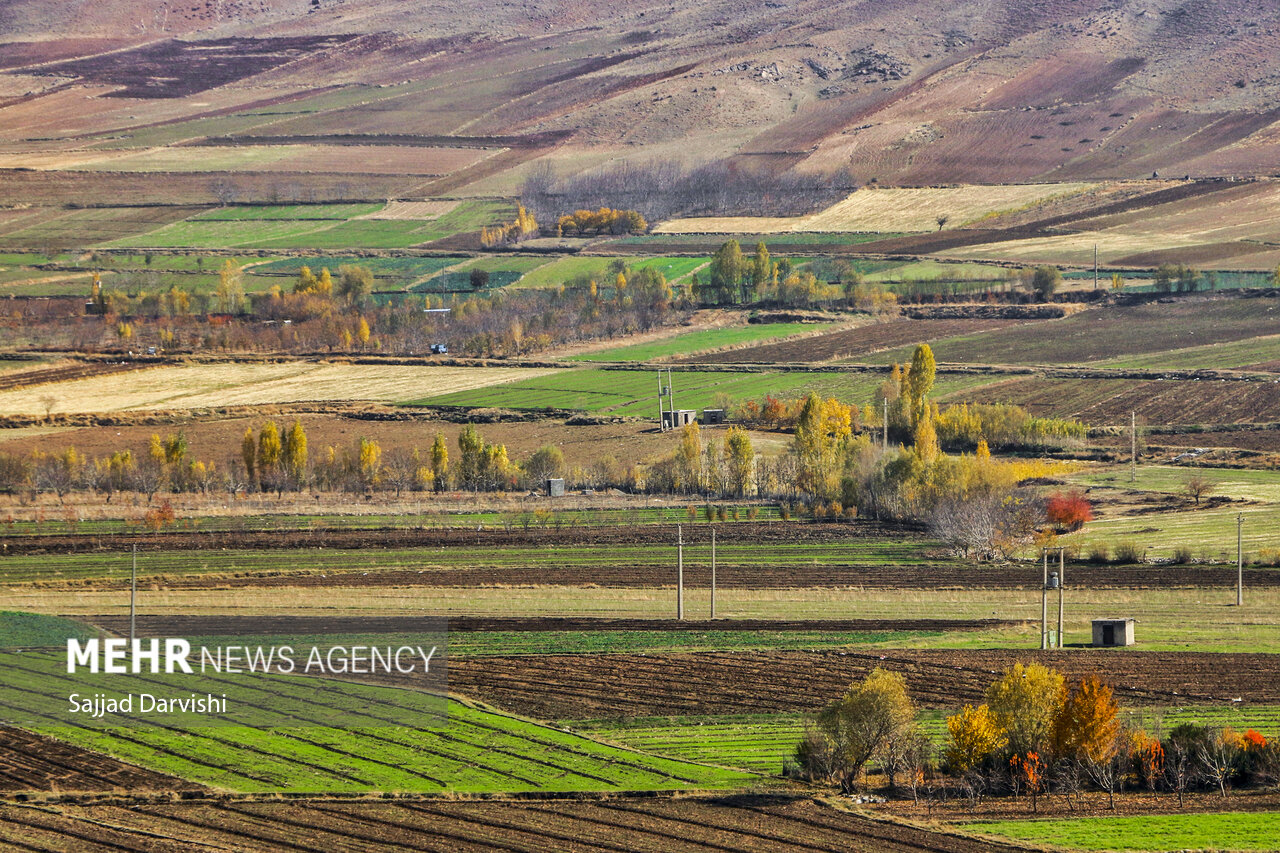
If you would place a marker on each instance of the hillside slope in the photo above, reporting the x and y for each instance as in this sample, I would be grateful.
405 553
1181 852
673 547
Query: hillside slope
901 91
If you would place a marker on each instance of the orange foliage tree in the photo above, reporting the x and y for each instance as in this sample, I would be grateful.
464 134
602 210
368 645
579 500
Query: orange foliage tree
1069 510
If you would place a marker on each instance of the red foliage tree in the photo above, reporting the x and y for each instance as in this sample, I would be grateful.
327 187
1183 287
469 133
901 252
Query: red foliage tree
1069 510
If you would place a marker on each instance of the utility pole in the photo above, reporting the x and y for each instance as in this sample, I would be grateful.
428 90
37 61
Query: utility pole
671 397
662 424
713 573
133 593
680 572
1133 447
1062 583
1239 559
1095 266
1044 603
885 424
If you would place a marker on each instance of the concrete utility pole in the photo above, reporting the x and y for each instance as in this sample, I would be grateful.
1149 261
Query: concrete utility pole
679 572
662 424
713 573
1239 559
1095 266
1062 584
885 424
1044 603
671 397
133 594
1133 447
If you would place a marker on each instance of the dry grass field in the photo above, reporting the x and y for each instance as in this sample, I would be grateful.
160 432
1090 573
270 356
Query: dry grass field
891 210
196 386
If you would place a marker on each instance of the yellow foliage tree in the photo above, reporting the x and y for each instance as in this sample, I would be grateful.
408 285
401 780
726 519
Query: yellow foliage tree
1025 701
975 735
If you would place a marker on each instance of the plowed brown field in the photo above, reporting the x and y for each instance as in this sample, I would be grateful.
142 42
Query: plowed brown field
32 762
746 823
571 686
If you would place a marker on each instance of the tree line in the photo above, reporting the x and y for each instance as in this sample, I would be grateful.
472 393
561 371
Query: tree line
1034 736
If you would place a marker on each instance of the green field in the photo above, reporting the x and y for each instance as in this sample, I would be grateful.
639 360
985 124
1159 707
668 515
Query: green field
427 518
288 211
628 392
94 226
525 564
1232 831
1209 534
271 231
20 630
691 342
1224 356
756 742
384 744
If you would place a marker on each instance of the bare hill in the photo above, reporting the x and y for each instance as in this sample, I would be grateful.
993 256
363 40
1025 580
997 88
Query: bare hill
904 92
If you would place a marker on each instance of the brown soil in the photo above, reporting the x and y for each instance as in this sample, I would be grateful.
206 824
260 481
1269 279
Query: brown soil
750 823
1088 804
611 685
32 762
175 69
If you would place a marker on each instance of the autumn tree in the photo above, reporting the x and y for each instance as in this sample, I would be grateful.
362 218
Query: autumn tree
1087 730
727 270
739 459
440 463
228 297
270 451
547 462
355 284
974 737
249 455
917 382
873 715
295 453
370 463
1068 511
1025 701
688 460
470 448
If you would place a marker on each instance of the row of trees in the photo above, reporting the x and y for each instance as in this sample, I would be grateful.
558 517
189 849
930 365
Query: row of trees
275 458
316 315
1034 735
523 227
606 220
660 189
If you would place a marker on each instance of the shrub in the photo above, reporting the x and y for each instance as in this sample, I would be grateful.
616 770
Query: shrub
1128 552
1100 552
1182 555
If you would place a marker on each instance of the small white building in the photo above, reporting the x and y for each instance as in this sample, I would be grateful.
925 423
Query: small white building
1113 632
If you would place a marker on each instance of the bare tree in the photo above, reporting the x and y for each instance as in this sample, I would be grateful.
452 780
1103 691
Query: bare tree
1199 486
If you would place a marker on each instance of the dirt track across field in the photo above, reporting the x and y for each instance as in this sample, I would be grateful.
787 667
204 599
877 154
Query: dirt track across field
743 823
635 685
